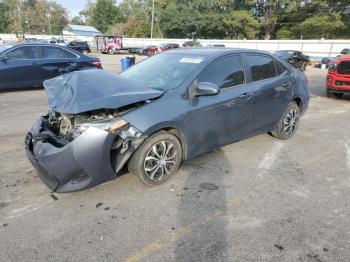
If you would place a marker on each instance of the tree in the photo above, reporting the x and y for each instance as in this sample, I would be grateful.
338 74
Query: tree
269 12
104 14
241 24
39 16
320 26
77 20
4 9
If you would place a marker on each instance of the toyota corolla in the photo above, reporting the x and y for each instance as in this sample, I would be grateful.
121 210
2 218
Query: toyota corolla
166 109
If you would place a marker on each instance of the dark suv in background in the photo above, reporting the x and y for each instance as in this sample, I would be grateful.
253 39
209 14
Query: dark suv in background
81 46
295 58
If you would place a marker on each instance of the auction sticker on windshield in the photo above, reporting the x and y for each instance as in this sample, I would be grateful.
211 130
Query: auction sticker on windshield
191 60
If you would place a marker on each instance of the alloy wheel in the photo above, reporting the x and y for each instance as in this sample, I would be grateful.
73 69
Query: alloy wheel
160 160
291 121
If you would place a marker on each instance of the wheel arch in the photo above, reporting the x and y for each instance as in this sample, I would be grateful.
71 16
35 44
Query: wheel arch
299 102
178 134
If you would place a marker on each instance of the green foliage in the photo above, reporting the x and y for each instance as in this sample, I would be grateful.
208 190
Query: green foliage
4 8
285 33
241 24
77 20
104 14
32 16
320 26
230 19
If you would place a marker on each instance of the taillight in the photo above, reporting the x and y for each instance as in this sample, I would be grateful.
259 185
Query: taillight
97 64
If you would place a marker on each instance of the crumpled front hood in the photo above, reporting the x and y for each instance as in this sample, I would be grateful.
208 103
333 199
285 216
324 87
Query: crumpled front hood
92 89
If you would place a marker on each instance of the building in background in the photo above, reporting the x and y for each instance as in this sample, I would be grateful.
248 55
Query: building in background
79 30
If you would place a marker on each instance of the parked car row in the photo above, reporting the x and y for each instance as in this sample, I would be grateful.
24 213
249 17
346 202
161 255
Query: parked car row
28 65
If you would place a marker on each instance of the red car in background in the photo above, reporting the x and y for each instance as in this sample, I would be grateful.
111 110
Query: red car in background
338 78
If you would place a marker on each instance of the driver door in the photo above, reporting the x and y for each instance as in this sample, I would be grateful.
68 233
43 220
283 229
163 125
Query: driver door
223 118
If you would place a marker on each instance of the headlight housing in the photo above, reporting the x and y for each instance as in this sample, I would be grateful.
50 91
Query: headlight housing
108 125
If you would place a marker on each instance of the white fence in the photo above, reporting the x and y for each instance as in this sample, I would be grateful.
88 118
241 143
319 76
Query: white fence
314 48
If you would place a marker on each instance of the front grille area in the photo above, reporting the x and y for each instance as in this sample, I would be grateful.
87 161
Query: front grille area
344 68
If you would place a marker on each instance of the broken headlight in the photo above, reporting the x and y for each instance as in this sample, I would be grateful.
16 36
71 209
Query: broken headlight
109 125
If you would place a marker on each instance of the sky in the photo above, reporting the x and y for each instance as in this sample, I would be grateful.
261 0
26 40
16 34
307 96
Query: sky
73 6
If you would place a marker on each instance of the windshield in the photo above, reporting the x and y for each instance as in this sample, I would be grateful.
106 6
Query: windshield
163 71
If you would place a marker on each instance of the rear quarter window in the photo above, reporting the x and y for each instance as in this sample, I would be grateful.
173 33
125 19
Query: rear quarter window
260 67
280 69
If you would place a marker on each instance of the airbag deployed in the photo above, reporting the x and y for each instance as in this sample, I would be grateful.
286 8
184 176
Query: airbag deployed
92 89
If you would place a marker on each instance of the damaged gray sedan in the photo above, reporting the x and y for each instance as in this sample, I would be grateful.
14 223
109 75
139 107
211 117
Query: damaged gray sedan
166 109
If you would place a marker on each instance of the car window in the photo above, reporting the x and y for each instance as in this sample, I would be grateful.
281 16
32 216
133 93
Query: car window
224 72
279 68
55 52
260 67
25 52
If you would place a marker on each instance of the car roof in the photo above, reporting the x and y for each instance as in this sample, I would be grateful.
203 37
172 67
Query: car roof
42 44
214 51
35 44
288 50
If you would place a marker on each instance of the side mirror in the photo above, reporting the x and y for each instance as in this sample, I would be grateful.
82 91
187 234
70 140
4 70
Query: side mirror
3 58
207 89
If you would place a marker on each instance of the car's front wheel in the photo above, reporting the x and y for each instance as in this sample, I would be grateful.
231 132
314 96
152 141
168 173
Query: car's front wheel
289 122
157 159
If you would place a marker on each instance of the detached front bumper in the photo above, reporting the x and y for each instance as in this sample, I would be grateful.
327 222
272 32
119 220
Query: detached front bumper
85 162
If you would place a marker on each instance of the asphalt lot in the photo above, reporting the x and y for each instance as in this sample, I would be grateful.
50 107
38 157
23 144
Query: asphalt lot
260 199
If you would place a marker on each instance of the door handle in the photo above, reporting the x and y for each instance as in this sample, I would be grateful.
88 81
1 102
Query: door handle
286 84
245 95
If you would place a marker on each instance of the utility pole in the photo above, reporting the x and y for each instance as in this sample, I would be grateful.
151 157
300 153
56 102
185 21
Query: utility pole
152 19
48 15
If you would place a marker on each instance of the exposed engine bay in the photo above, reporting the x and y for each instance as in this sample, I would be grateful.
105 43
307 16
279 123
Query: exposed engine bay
70 126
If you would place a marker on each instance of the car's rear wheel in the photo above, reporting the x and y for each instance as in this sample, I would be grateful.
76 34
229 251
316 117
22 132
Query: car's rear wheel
85 52
289 122
157 159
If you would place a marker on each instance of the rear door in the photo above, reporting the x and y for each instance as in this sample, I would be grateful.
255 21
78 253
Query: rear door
21 69
220 119
272 87
55 61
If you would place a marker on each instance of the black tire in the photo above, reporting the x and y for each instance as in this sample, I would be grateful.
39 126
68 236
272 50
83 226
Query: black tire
289 122
111 51
334 95
138 164
338 95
